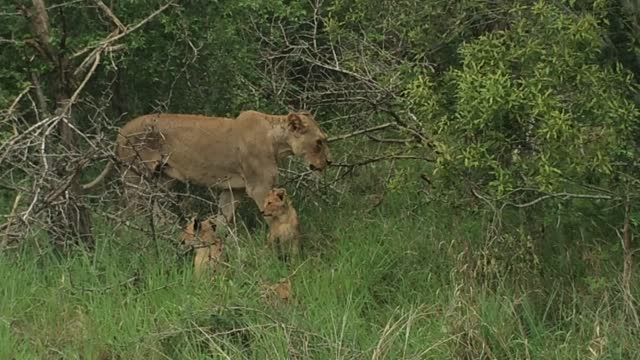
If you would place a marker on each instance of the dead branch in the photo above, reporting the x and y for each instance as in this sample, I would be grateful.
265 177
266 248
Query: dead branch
383 158
561 196
76 93
403 124
15 102
389 141
117 36
53 199
492 202
360 132
107 11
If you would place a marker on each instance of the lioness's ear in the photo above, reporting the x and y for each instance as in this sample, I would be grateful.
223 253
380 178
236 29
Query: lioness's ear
196 224
295 122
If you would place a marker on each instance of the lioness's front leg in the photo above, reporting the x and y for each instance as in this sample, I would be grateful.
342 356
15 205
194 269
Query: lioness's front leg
259 188
259 180
259 193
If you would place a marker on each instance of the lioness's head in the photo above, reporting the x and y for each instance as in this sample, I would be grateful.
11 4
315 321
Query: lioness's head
275 204
307 140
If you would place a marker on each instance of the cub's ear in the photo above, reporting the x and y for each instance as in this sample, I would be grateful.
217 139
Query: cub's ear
280 193
295 122
213 225
209 223
196 224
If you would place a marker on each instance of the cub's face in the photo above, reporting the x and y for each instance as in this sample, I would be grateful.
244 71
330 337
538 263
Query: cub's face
275 204
195 230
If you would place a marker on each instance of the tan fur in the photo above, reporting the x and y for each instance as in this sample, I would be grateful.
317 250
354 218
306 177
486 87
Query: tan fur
229 154
284 227
201 236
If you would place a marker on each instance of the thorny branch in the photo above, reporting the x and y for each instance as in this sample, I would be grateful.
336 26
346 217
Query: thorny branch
336 71
360 132
546 196
45 170
311 68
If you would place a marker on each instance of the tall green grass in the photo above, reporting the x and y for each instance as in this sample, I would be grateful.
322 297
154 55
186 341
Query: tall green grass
406 279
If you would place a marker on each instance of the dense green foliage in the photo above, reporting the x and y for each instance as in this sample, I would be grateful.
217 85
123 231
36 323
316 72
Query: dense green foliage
509 243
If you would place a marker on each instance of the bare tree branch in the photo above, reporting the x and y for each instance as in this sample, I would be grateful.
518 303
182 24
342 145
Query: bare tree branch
117 36
52 199
360 132
383 158
107 11
560 195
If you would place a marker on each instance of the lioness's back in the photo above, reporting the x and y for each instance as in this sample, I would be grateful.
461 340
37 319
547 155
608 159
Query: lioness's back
164 121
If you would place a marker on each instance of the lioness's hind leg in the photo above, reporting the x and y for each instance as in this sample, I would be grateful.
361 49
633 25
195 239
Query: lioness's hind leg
228 203
140 195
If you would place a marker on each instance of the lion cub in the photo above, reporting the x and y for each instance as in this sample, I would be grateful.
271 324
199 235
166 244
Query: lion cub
201 236
284 228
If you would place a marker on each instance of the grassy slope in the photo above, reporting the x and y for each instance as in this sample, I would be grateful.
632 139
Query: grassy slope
391 282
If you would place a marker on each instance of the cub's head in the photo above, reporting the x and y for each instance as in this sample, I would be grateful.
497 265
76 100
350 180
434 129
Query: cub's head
307 140
198 231
276 203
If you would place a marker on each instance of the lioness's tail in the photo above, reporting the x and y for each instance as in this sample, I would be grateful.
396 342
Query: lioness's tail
105 172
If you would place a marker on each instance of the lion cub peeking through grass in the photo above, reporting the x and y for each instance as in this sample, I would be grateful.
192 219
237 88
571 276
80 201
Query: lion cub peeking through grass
284 228
201 236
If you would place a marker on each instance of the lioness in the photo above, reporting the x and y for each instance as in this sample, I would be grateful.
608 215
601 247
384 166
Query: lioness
284 228
201 236
229 154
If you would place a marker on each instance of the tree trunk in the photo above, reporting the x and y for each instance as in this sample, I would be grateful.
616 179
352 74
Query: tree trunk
73 219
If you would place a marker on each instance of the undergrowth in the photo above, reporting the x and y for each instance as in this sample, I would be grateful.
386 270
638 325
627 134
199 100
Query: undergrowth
404 278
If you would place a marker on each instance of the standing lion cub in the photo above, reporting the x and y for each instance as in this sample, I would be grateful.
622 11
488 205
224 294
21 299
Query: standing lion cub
201 236
284 228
